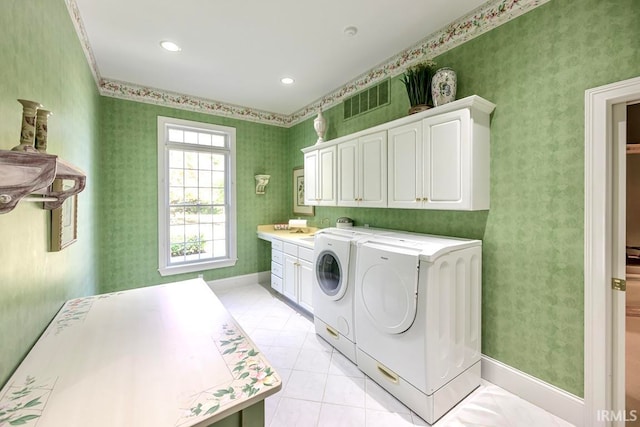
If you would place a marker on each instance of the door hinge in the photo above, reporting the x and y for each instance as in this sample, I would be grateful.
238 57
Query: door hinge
618 284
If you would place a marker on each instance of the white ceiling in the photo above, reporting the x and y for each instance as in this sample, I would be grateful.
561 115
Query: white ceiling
236 51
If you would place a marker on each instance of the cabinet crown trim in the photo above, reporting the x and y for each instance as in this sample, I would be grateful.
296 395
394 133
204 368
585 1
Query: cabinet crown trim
474 101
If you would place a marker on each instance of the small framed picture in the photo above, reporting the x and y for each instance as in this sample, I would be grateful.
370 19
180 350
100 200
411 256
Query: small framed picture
299 208
64 220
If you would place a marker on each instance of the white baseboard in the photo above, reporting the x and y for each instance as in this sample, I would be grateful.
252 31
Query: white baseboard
262 277
544 395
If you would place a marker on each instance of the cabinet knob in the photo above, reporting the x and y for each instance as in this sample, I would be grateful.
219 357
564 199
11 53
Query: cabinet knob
425 199
418 199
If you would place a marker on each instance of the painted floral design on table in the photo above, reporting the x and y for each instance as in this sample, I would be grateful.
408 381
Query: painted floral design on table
250 374
76 310
22 404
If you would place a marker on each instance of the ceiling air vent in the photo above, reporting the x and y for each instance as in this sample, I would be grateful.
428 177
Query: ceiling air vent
367 100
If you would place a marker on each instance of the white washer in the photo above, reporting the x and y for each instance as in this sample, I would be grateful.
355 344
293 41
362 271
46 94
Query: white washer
417 311
333 283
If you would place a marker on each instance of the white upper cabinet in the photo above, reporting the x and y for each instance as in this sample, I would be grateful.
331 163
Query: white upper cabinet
362 171
441 162
437 159
406 180
320 177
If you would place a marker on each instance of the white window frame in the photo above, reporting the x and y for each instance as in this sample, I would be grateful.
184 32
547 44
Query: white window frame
164 266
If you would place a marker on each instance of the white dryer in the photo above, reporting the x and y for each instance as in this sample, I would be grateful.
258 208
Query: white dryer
333 283
417 311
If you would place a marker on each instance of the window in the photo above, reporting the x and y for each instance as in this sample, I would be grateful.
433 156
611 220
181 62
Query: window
196 196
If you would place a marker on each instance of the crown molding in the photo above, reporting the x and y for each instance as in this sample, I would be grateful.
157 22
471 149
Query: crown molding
483 19
132 92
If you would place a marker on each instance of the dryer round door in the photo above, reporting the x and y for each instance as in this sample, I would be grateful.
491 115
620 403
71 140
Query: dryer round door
330 275
387 280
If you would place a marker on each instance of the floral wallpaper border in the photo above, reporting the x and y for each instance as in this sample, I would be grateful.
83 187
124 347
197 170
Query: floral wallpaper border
250 372
485 18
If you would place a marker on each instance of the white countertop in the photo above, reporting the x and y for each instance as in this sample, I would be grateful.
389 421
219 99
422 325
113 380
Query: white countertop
167 355
268 233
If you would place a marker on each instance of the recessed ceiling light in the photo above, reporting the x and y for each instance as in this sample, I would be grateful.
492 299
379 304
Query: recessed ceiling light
351 31
287 80
170 46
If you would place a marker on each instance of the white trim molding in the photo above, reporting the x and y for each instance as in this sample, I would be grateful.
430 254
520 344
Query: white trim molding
481 20
542 394
598 242
262 277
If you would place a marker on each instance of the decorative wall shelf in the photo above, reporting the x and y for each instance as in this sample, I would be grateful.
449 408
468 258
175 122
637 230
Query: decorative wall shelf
26 173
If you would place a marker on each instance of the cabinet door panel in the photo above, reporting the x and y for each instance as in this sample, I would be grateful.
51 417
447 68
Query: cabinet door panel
373 170
310 178
347 173
306 285
290 279
444 161
327 176
405 166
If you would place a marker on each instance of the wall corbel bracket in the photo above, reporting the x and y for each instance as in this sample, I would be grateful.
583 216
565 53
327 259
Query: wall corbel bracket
25 173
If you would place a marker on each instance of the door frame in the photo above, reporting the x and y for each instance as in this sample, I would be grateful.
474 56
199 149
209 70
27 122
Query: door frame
598 230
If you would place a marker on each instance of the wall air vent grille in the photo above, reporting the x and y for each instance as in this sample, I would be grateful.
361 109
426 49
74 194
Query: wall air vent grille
366 100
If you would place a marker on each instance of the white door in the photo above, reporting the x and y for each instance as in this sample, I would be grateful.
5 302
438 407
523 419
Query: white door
372 175
600 238
405 166
618 262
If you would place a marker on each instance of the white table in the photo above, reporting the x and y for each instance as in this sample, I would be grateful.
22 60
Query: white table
167 355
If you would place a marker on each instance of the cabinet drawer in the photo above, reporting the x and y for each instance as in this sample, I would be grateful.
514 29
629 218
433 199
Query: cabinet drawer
305 254
291 249
276 269
276 256
276 244
276 283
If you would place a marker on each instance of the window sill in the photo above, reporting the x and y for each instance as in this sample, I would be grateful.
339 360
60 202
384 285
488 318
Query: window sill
190 268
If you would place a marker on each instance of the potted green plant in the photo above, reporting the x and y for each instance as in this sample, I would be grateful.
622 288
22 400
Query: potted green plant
417 81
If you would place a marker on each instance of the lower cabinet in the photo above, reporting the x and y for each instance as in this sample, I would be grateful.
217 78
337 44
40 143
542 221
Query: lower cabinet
297 277
277 260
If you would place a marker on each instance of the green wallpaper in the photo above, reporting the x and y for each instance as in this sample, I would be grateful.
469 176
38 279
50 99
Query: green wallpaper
42 60
128 196
536 69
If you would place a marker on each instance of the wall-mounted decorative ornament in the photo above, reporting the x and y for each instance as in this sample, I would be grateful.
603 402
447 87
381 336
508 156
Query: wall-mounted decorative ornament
26 171
42 116
261 183
28 128
320 125
443 86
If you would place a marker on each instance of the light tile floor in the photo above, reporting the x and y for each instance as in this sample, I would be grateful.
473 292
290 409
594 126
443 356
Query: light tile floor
321 387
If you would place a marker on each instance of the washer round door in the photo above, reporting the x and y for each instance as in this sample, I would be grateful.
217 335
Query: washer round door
330 275
387 280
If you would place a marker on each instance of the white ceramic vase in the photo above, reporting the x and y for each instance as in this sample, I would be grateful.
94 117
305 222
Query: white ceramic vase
320 125
28 127
443 86
42 116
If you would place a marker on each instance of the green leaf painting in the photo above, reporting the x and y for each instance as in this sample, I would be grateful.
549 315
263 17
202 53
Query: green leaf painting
23 420
249 371
18 406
